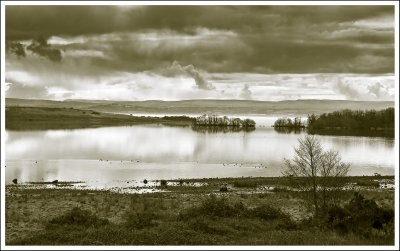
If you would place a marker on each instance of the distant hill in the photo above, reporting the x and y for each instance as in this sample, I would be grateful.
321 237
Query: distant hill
287 107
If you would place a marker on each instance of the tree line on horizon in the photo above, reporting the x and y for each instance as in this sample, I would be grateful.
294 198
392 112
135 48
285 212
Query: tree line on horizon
343 119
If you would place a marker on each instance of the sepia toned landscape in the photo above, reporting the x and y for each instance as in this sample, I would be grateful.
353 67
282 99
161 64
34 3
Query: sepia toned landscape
200 125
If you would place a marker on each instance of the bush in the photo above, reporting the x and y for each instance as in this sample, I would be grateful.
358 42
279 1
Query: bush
221 207
223 188
280 189
163 182
245 183
140 220
338 218
78 216
359 216
214 207
266 212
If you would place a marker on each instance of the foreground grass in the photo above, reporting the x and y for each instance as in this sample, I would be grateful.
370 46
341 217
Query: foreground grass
183 216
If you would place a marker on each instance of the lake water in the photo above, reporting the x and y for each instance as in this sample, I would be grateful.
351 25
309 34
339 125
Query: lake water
114 156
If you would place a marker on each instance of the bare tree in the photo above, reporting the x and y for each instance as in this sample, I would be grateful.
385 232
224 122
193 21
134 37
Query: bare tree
332 170
315 170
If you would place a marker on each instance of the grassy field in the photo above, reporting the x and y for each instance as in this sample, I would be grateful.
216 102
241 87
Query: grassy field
43 118
249 213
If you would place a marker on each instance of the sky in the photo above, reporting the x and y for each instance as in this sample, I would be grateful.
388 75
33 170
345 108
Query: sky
200 52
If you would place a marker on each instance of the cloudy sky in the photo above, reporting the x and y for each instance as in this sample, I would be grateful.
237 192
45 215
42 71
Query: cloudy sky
200 52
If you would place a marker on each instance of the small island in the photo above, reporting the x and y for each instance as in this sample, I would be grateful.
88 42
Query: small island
296 123
219 121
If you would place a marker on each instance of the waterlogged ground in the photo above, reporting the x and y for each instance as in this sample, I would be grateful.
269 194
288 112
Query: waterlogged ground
129 187
156 186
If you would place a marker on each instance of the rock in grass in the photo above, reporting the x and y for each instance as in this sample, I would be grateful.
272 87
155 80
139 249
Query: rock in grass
224 188
54 181
15 181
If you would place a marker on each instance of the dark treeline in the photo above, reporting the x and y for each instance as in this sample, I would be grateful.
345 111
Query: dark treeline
343 119
289 123
221 129
216 121
353 120
369 123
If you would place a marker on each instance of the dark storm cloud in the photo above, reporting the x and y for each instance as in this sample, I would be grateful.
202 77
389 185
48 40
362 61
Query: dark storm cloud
29 21
40 47
37 46
16 48
263 39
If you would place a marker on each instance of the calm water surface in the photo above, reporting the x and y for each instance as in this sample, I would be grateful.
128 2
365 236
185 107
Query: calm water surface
111 156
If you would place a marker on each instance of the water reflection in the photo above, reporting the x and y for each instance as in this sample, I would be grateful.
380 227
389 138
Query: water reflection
173 152
360 133
286 130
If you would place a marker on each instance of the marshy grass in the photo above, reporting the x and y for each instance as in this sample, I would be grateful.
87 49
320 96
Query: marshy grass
79 217
368 183
214 206
246 183
183 216
140 220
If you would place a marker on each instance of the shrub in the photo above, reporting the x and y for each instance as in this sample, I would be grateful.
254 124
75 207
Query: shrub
221 207
163 182
140 220
359 216
223 188
245 183
280 189
338 218
214 207
368 183
78 216
266 212
367 214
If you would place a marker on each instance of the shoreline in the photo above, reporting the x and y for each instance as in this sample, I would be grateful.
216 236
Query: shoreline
384 182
